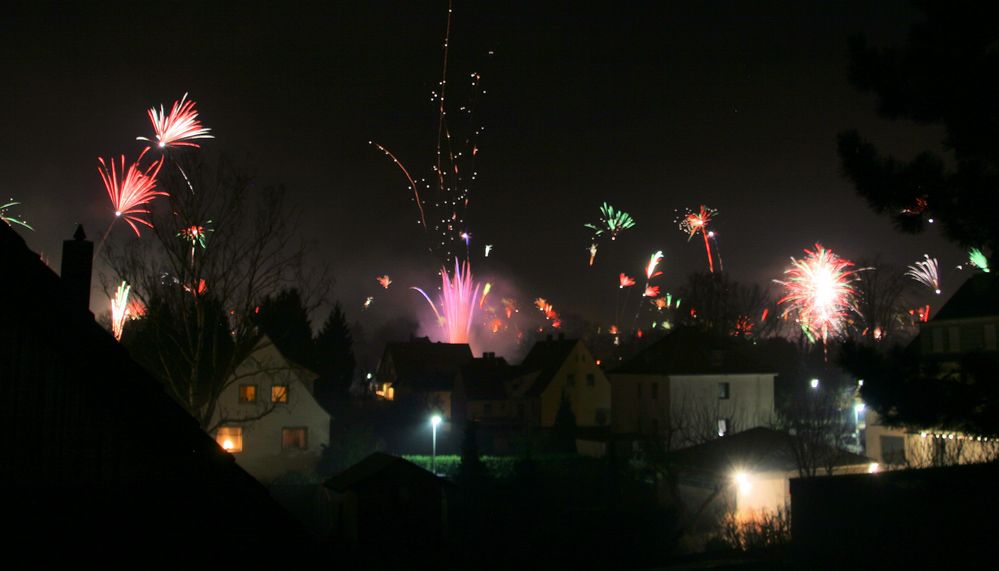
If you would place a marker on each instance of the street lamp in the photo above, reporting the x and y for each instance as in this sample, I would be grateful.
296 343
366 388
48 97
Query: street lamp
435 420
814 384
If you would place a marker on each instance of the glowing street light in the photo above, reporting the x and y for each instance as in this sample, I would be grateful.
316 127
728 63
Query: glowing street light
743 482
435 421
814 384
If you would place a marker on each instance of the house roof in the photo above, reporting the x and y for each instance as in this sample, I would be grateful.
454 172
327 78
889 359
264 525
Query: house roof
761 449
112 413
545 359
374 465
430 366
977 297
485 378
687 351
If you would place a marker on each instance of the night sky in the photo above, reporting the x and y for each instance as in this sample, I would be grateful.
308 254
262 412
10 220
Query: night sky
650 106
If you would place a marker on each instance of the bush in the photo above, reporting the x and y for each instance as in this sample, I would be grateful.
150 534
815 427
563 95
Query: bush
761 530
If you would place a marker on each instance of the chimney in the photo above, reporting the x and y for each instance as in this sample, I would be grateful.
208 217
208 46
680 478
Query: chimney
77 266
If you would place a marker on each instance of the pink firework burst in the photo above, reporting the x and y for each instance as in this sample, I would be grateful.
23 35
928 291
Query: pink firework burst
179 127
819 291
458 299
131 189
625 281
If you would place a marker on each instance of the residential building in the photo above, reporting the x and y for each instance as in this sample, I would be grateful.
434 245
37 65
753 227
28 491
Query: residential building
101 465
269 419
422 372
966 325
690 387
557 368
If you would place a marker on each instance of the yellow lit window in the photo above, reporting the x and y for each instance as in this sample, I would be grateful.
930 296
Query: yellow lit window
230 438
387 392
247 393
279 393
293 438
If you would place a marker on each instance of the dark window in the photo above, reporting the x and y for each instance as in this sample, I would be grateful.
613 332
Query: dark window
723 390
893 449
247 393
279 393
570 379
293 438
590 379
655 391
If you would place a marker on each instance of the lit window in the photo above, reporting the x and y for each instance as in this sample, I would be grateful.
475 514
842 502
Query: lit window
722 426
247 393
386 391
279 393
723 390
230 438
293 438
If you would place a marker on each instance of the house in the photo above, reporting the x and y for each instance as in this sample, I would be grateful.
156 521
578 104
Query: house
101 465
966 325
555 368
748 474
480 392
421 371
387 502
689 387
285 429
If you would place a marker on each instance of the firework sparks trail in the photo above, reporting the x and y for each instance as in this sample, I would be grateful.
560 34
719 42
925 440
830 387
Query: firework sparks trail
178 128
977 259
119 309
650 270
457 301
819 292
926 272
651 291
625 281
485 292
9 218
509 307
135 189
384 281
612 221
367 302
409 178
593 252
695 222
489 248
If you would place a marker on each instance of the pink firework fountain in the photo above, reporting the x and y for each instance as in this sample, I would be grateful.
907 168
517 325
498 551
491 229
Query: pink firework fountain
459 294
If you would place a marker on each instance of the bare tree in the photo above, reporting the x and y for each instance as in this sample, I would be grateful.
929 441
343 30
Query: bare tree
881 296
815 422
218 247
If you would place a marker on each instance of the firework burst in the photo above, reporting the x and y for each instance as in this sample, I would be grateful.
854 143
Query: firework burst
612 221
977 259
132 189
384 281
650 270
9 218
819 292
694 222
178 128
625 281
120 309
458 299
926 272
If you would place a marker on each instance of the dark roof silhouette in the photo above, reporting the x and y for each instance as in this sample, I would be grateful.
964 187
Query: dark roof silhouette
977 297
374 465
95 453
485 378
760 449
544 360
687 351
423 365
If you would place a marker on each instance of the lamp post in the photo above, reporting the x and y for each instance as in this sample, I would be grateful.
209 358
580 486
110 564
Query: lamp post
435 420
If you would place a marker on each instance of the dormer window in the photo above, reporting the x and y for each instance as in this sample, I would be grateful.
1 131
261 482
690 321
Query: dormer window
279 394
247 393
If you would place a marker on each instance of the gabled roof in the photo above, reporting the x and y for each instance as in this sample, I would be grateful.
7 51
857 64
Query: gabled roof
977 297
687 351
425 365
106 440
374 465
760 449
545 359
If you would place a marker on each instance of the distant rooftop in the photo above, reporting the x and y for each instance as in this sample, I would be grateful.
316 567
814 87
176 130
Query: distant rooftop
977 297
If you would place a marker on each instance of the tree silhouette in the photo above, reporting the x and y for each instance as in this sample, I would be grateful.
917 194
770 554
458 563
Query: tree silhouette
284 319
334 359
947 74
